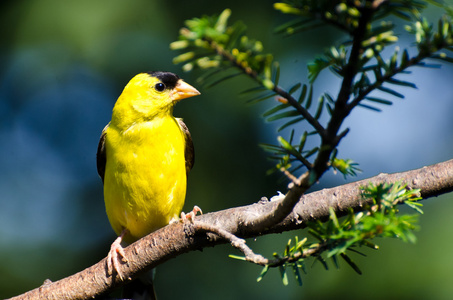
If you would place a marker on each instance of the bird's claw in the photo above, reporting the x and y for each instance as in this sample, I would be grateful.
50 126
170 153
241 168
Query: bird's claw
116 254
191 215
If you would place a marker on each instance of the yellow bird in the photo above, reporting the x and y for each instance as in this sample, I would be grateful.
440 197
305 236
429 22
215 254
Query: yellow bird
143 158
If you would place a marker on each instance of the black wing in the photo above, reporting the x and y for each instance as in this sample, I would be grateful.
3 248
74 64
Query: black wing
100 155
189 152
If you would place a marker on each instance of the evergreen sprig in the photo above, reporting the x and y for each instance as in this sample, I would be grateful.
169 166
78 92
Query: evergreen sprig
214 44
337 238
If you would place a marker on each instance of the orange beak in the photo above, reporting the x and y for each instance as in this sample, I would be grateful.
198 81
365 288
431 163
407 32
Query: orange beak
183 90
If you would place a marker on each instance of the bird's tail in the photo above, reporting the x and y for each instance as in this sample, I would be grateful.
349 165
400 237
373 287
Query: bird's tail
141 288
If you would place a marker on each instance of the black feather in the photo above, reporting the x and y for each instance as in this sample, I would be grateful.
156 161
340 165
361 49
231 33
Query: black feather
167 78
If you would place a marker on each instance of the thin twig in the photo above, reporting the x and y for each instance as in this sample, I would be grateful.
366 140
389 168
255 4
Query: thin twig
255 76
236 242
290 176
313 250
362 94
251 256
304 112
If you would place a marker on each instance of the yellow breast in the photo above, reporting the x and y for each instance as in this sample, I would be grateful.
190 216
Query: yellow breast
145 176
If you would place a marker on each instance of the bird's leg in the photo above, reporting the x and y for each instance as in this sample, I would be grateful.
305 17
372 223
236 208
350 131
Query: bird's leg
113 258
191 214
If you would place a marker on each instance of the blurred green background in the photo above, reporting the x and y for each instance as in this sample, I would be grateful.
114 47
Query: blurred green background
64 63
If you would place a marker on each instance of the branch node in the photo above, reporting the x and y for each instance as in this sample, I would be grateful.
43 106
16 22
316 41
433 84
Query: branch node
294 179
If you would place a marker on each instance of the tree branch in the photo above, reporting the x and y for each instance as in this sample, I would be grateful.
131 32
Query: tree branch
176 239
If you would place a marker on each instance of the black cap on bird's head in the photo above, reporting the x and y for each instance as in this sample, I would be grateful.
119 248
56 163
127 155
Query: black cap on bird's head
177 87
169 79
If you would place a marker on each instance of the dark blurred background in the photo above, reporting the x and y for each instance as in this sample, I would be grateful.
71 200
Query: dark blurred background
64 63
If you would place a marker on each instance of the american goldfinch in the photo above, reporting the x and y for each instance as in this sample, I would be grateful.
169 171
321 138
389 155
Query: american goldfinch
143 158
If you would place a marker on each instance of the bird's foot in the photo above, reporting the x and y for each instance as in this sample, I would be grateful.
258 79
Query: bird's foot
116 256
190 216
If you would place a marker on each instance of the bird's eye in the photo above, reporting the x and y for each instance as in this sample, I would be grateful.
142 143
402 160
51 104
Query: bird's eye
159 87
